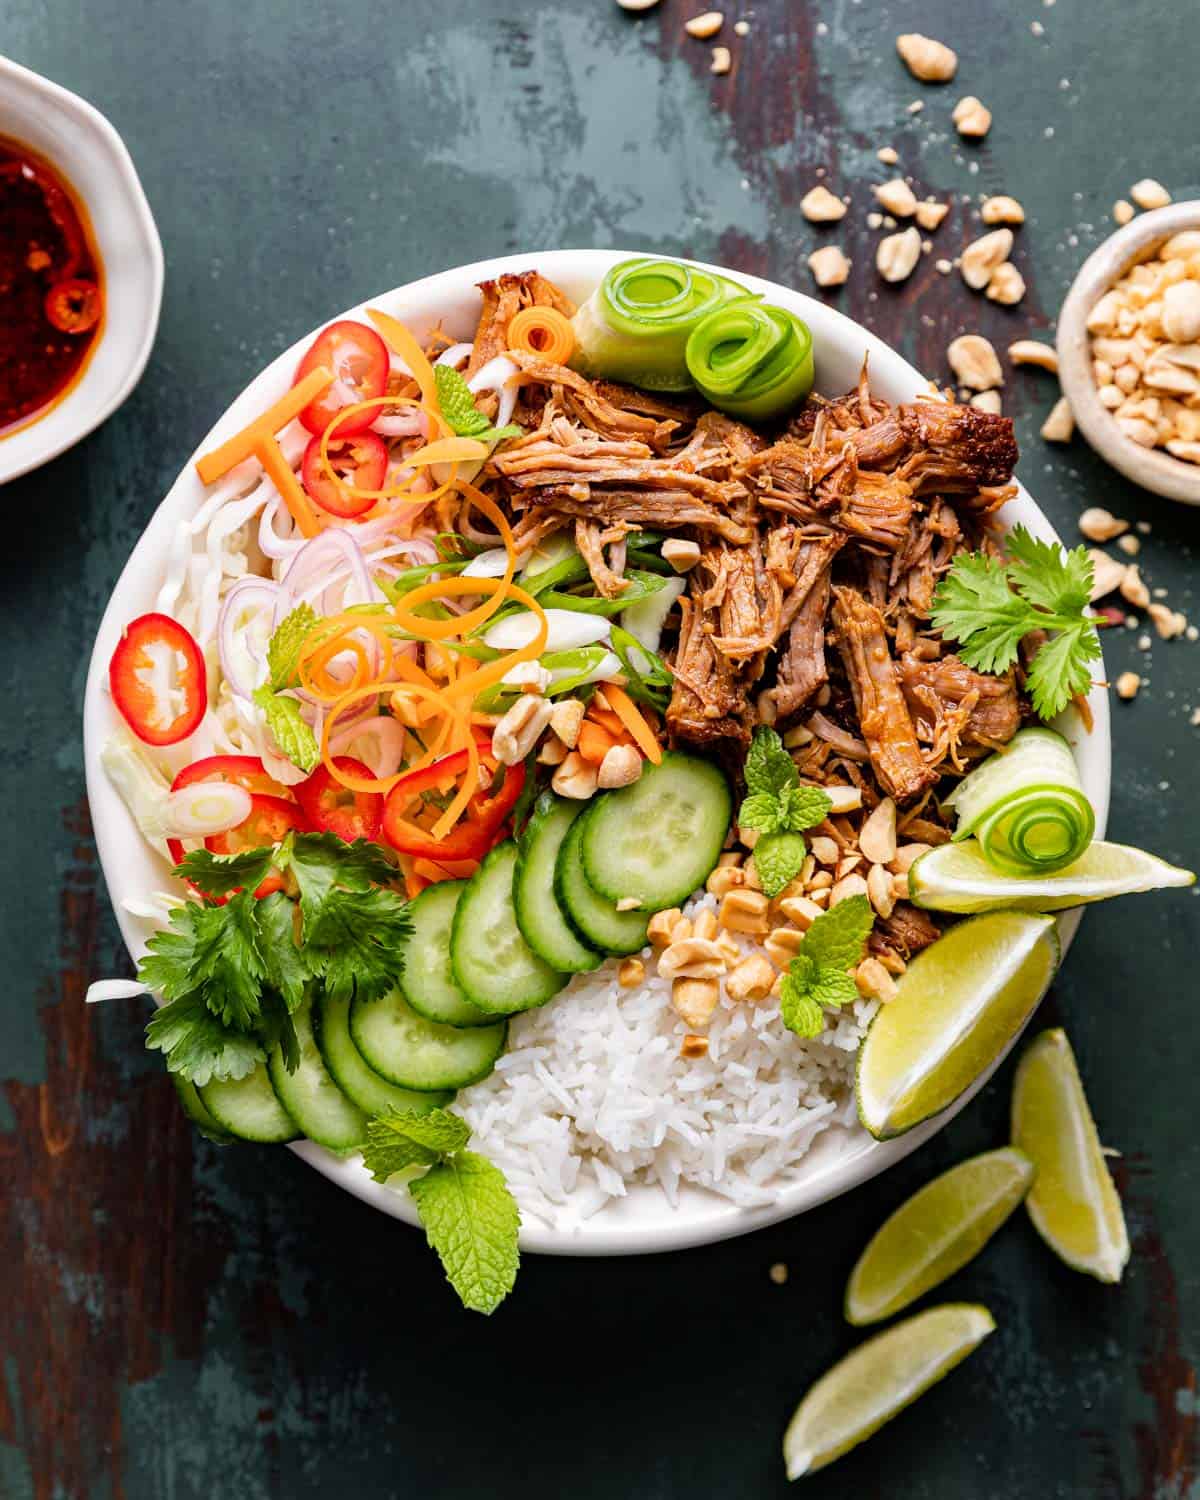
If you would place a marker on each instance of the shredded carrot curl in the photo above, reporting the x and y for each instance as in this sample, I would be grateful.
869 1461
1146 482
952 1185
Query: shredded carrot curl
542 331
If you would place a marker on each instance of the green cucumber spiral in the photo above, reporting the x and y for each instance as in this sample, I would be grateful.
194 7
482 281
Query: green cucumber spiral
751 360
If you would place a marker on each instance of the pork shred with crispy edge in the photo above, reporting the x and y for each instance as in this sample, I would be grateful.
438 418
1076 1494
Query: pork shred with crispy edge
820 545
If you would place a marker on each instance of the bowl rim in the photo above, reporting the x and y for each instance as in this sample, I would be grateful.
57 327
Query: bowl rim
134 269
714 1218
1152 468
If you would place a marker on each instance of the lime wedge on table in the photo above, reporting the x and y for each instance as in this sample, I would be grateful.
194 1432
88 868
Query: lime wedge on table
879 1379
936 1233
958 1005
956 877
1073 1204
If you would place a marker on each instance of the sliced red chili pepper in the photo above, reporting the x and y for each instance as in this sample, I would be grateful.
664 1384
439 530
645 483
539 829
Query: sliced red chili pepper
361 461
360 363
73 305
270 821
241 770
471 837
156 661
334 808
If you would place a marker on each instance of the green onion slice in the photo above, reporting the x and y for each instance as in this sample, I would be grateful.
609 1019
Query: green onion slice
751 360
1026 806
635 325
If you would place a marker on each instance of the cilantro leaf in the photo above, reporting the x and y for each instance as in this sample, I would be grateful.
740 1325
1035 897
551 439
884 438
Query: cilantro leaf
283 650
471 1219
457 403
213 950
295 739
407 1138
1061 669
769 768
284 961
277 1029
197 1046
974 605
220 874
801 1012
777 859
760 810
322 861
835 939
803 807
356 942
1046 575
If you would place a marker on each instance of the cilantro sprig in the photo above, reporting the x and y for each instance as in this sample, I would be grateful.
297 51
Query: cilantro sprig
989 607
818 976
469 1216
778 808
233 974
457 403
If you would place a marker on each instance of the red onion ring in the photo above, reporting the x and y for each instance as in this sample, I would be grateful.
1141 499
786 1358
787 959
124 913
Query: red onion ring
385 755
240 597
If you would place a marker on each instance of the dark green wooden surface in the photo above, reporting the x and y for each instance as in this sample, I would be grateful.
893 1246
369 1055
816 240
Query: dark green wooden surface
178 1321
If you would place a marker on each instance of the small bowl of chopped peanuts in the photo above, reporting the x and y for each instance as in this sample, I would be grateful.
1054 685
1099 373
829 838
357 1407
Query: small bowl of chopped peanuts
1129 351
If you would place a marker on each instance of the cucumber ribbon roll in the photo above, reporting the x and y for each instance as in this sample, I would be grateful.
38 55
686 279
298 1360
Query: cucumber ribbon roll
635 325
1026 806
750 360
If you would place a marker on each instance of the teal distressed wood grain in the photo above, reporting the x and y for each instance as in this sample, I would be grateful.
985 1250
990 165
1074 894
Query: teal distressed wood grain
179 1322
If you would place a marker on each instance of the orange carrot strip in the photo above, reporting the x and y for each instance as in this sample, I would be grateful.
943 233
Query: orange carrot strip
403 491
257 440
401 342
594 742
627 711
542 331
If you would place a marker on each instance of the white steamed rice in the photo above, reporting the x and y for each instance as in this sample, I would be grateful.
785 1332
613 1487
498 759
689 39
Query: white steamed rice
592 1096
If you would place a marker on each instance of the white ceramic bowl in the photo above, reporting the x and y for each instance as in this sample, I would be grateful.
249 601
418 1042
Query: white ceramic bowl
81 144
643 1221
1152 468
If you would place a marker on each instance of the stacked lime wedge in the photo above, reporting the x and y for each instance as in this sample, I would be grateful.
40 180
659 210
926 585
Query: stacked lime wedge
879 1379
936 1233
1073 1204
957 877
958 1005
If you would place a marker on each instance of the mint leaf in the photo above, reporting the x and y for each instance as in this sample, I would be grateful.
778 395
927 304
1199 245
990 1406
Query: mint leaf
283 650
295 739
471 1220
1061 669
833 988
284 961
835 939
196 1045
221 874
1046 575
760 810
777 859
800 1011
803 807
769 768
457 403
406 1138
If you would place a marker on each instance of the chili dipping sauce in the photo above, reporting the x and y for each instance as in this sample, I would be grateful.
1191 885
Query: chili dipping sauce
51 292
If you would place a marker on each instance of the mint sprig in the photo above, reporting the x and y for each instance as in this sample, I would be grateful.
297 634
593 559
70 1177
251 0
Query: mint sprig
295 739
817 978
778 808
283 649
469 1216
457 403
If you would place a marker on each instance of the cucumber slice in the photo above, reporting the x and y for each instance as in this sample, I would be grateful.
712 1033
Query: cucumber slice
428 982
493 963
193 1107
539 916
368 1089
311 1096
597 919
659 839
249 1108
418 1054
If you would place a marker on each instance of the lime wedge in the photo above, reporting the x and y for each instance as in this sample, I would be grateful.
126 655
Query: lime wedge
879 1379
1073 1203
936 1233
958 1005
956 877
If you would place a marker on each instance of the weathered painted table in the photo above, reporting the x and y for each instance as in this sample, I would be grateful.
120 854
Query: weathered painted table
180 1321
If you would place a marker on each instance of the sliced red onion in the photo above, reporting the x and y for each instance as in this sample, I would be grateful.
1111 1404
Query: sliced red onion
455 355
378 742
205 808
239 661
502 376
269 540
409 421
314 561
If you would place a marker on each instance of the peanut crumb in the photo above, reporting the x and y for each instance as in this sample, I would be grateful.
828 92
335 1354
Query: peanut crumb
778 1273
1127 685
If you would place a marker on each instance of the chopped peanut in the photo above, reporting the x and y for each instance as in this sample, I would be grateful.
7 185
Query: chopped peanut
800 910
1100 525
575 777
691 958
1002 209
896 197
621 766
705 25
874 982
705 924
693 1045
929 60
852 885
879 890
1059 426
630 973
847 865
906 856
824 849
751 980
565 719
681 553
782 944
695 1000
820 206
843 799
744 911
682 929
1127 685
659 929
723 880
877 836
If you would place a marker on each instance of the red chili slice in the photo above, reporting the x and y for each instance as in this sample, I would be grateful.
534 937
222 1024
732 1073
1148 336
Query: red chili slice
334 808
360 363
475 832
73 305
360 461
270 821
156 658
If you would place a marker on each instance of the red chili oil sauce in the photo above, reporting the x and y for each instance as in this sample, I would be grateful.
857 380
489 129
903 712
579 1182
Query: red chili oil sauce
51 291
